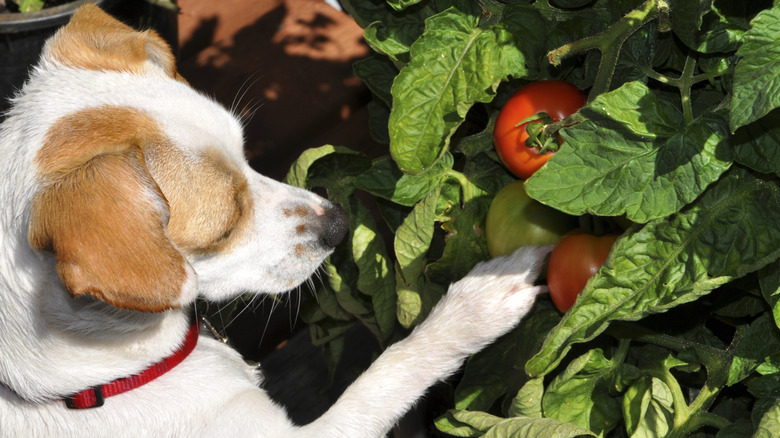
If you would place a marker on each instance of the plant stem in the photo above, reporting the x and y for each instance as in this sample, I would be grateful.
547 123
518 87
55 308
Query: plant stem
686 79
468 188
609 43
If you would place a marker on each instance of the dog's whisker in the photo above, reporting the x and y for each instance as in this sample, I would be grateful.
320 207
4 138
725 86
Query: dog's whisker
243 90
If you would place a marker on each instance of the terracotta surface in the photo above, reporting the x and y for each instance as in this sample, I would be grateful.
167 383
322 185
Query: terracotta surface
285 66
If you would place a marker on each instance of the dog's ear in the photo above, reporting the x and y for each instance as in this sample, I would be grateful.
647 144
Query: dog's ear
103 215
94 40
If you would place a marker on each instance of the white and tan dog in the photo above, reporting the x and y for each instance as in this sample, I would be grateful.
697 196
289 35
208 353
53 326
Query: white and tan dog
124 196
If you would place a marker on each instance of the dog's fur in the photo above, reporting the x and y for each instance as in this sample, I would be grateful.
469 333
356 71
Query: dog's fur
124 196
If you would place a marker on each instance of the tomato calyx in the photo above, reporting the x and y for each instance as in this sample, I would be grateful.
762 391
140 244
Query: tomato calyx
538 138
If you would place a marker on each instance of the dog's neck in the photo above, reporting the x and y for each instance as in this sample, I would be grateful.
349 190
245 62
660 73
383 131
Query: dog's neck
53 345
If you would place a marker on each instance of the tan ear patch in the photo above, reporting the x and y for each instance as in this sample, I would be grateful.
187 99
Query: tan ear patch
105 222
103 215
94 40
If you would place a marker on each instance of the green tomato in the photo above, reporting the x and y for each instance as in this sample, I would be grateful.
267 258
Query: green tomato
515 220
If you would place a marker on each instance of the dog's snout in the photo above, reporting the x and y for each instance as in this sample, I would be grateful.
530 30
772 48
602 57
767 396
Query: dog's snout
336 225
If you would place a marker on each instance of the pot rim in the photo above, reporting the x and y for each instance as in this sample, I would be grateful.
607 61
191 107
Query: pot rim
15 22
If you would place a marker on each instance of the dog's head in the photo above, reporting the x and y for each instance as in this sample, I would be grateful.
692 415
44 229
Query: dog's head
141 195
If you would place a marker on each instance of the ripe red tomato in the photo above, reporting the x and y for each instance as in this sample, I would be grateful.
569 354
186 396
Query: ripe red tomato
575 259
516 220
557 99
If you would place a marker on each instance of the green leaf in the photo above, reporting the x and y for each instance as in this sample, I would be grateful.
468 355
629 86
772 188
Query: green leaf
480 421
385 180
687 16
705 28
378 74
532 33
528 401
454 64
376 277
648 409
523 427
632 157
449 425
299 171
757 76
30 5
393 34
332 167
730 231
761 341
770 422
769 280
402 4
465 243
580 395
326 300
412 240
757 145
718 32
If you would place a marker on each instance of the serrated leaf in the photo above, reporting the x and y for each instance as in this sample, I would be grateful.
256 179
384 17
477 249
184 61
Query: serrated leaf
770 422
761 341
454 64
716 32
632 157
528 401
402 4
726 234
580 395
449 425
757 145
393 34
648 409
523 427
298 175
769 281
687 16
412 240
376 277
757 75
464 243
385 180
378 75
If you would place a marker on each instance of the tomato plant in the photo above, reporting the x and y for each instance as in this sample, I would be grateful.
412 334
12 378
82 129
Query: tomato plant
573 261
679 335
515 220
556 100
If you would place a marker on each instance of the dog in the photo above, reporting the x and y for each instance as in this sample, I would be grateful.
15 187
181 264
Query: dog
125 195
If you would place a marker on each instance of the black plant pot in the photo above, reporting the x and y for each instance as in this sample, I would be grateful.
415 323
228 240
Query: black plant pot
22 35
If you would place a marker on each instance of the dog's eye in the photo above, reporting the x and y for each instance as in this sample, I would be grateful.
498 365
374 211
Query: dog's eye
208 201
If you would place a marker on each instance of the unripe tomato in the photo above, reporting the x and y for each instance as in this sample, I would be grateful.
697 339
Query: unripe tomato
515 220
557 99
575 258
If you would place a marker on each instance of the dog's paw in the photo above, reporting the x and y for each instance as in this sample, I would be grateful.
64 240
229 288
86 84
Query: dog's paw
491 299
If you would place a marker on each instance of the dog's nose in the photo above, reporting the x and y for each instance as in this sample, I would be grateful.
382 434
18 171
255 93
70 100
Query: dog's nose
336 225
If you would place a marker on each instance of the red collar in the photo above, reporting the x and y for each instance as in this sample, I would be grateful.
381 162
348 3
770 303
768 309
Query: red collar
94 397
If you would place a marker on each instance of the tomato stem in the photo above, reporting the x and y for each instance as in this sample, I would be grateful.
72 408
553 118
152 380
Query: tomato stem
685 89
609 43
684 83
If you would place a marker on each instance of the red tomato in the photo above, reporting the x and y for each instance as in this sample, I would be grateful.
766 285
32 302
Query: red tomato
575 259
556 98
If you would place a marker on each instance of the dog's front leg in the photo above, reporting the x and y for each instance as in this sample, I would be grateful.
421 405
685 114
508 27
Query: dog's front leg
475 311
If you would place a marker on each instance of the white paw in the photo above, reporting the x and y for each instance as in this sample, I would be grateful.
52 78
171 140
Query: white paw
491 299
